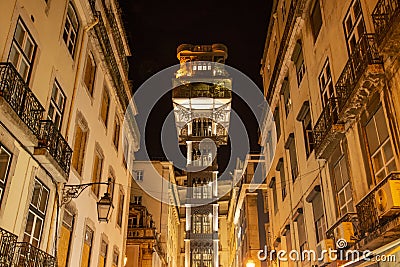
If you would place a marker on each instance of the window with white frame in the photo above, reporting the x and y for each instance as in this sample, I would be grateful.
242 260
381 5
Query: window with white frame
5 162
327 89
354 26
87 247
22 50
137 200
139 175
36 213
103 253
115 258
71 28
298 60
285 91
341 180
57 104
380 145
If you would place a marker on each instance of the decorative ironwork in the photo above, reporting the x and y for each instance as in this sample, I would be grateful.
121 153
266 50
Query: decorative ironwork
348 217
21 99
194 90
50 138
73 191
385 13
328 117
367 210
108 53
28 255
291 18
365 53
7 247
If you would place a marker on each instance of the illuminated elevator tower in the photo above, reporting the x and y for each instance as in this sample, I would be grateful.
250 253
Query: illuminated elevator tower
202 97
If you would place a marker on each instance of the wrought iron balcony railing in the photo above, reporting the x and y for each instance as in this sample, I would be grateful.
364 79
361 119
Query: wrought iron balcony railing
51 139
201 90
28 255
384 15
365 53
367 208
21 99
7 247
328 117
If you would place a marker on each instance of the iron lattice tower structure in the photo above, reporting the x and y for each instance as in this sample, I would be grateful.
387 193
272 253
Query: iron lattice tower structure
202 98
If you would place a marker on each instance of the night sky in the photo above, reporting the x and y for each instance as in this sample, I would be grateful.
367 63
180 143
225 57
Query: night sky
156 29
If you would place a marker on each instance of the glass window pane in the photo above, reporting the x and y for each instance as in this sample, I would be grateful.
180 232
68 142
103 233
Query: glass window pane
388 152
342 199
23 69
19 34
43 200
372 136
28 50
4 164
381 125
338 177
29 224
36 194
377 161
14 56
38 228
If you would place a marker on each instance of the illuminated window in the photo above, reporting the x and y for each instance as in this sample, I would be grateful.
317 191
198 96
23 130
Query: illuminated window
137 200
64 242
103 254
87 247
22 51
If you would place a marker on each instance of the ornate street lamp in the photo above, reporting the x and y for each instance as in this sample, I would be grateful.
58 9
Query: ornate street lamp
104 208
250 263
104 205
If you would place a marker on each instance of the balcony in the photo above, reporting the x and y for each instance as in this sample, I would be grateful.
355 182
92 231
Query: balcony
53 148
377 225
7 247
28 255
362 76
386 17
23 110
141 233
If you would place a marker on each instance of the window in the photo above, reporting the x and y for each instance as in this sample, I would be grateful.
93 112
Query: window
64 242
36 214
340 176
315 198
353 25
115 258
281 169
71 28
5 162
277 123
125 152
57 103
201 189
139 175
328 91
380 146
133 221
202 257
117 130
301 233
305 117
316 19
79 148
272 185
87 247
90 73
22 51
202 223
285 91
103 254
120 208
298 60
105 107
97 170
291 146
137 200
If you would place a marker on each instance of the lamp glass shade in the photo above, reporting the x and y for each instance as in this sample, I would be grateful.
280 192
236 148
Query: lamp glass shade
104 207
250 263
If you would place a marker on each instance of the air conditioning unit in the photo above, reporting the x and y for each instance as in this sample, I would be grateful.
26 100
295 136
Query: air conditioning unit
345 231
322 251
387 198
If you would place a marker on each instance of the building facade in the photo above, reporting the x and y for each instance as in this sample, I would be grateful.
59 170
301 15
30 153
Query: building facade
201 99
154 216
330 72
64 93
248 213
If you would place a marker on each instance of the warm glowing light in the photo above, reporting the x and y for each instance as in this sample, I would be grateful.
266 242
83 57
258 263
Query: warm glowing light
250 263
125 260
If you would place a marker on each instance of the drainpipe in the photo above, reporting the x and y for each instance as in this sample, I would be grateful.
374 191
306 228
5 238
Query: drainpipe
85 31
